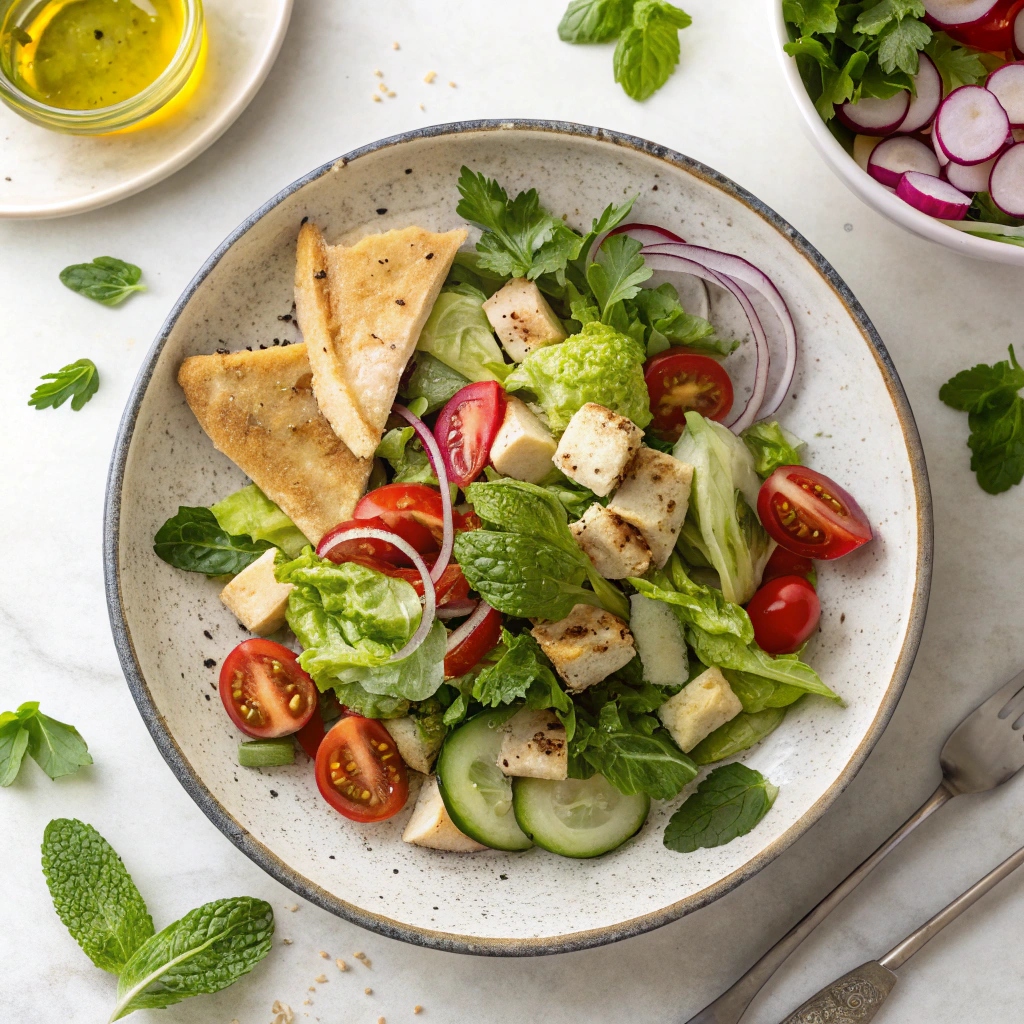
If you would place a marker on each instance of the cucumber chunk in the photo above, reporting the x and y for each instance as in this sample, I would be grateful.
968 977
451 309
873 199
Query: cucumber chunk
577 817
266 753
477 795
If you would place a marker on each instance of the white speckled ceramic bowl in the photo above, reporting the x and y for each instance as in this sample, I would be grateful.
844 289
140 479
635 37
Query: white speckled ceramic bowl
172 632
863 186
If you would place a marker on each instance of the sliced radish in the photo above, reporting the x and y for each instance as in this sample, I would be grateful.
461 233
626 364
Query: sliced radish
932 195
939 155
1018 35
863 147
971 125
872 116
928 96
959 12
900 153
972 178
1007 85
1006 183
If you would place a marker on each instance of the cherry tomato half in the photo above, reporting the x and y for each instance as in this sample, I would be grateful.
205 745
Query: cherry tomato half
993 32
364 547
679 382
811 515
264 691
413 511
466 428
785 563
784 613
359 771
483 639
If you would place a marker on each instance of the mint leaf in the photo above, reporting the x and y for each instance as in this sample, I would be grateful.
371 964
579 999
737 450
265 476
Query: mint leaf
811 16
648 50
983 387
737 735
594 21
209 949
617 272
56 747
194 541
78 381
93 894
729 803
107 279
13 744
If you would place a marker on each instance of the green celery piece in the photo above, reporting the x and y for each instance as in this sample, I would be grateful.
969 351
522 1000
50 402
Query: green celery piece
737 735
266 753
93 894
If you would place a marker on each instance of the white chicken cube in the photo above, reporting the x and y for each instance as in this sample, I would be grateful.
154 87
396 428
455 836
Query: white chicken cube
431 826
417 749
523 446
699 708
654 496
255 597
596 448
522 318
658 636
586 646
534 746
616 548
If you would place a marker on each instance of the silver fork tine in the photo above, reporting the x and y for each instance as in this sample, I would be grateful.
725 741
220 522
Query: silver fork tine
1013 695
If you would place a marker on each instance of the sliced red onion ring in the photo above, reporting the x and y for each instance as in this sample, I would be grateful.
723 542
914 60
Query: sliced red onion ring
740 270
645 234
657 258
457 636
429 600
456 609
437 464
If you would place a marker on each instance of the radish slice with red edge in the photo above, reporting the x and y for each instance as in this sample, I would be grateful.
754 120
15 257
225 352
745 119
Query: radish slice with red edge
933 196
429 598
971 125
1006 183
482 610
871 116
658 259
863 147
745 273
959 12
893 156
1018 35
1007 85
437 464
939 155
973 178
927 96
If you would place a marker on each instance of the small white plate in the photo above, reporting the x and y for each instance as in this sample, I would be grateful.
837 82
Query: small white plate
47 174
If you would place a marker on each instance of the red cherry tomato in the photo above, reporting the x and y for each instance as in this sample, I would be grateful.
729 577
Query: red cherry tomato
811 515
466 428
993 32
312 733
483 639
785 563
784 613
364 547
413 511
264 691
679 382
359 771
451 586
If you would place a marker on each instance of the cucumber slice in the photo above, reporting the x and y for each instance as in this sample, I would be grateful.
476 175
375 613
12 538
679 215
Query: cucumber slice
476 794
577 817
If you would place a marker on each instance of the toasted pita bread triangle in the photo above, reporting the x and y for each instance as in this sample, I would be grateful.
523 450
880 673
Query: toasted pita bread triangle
258 408
361 309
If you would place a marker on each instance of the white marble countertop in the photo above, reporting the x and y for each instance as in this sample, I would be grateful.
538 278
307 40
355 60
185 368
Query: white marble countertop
937 313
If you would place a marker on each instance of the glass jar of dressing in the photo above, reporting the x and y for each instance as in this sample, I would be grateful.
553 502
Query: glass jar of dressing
89 67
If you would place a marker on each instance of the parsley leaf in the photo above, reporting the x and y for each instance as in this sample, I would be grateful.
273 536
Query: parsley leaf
729 803
899 44
958 65
648 50
811 16
594 21
983 388
107 279
78 381
885 12
617 272
56 747
194 541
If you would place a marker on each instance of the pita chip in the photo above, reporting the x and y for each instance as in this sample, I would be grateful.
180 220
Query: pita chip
361 309
258 409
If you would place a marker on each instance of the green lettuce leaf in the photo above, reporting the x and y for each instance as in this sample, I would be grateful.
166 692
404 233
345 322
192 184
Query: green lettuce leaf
250 513
458 333
597 365
772 446
405 454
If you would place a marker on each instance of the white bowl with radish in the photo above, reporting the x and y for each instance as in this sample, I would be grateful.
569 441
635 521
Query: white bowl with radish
921 158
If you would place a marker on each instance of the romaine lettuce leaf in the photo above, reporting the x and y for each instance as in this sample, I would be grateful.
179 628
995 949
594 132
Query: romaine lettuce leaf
406 457
250 513
459 334
772 446
597 365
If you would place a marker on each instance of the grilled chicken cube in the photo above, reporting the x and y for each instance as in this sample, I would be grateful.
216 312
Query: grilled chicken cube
616 548
658 636
534 746
431 826
255 597
523 446
654 496
699 708
586 646
522 318
418 750
596 448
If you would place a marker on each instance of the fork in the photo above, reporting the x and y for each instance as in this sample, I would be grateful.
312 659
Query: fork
984 750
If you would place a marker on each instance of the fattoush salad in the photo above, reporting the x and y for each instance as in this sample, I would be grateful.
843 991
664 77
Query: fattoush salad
519 530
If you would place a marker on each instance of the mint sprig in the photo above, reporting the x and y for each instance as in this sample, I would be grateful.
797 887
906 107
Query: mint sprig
107 279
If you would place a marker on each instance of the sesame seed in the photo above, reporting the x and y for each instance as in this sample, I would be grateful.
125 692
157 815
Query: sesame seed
452 85
378 72
325 954
417 1008
294 907
422 107
341 965
429 77
395 46
321 979
392 94
368 991
307 1002
382 87
376 97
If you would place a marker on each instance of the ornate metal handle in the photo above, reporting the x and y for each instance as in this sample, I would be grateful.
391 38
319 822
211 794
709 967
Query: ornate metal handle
853 999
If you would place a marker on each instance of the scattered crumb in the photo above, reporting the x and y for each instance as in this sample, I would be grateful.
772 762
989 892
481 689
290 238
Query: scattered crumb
294 907
286 942
381 1020
391 94
325 954
422 107
429 77
368 991
395 46
375 97
307 1002
341 965
452 85
321 979
283 1013
378 72
382 87
417 1008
